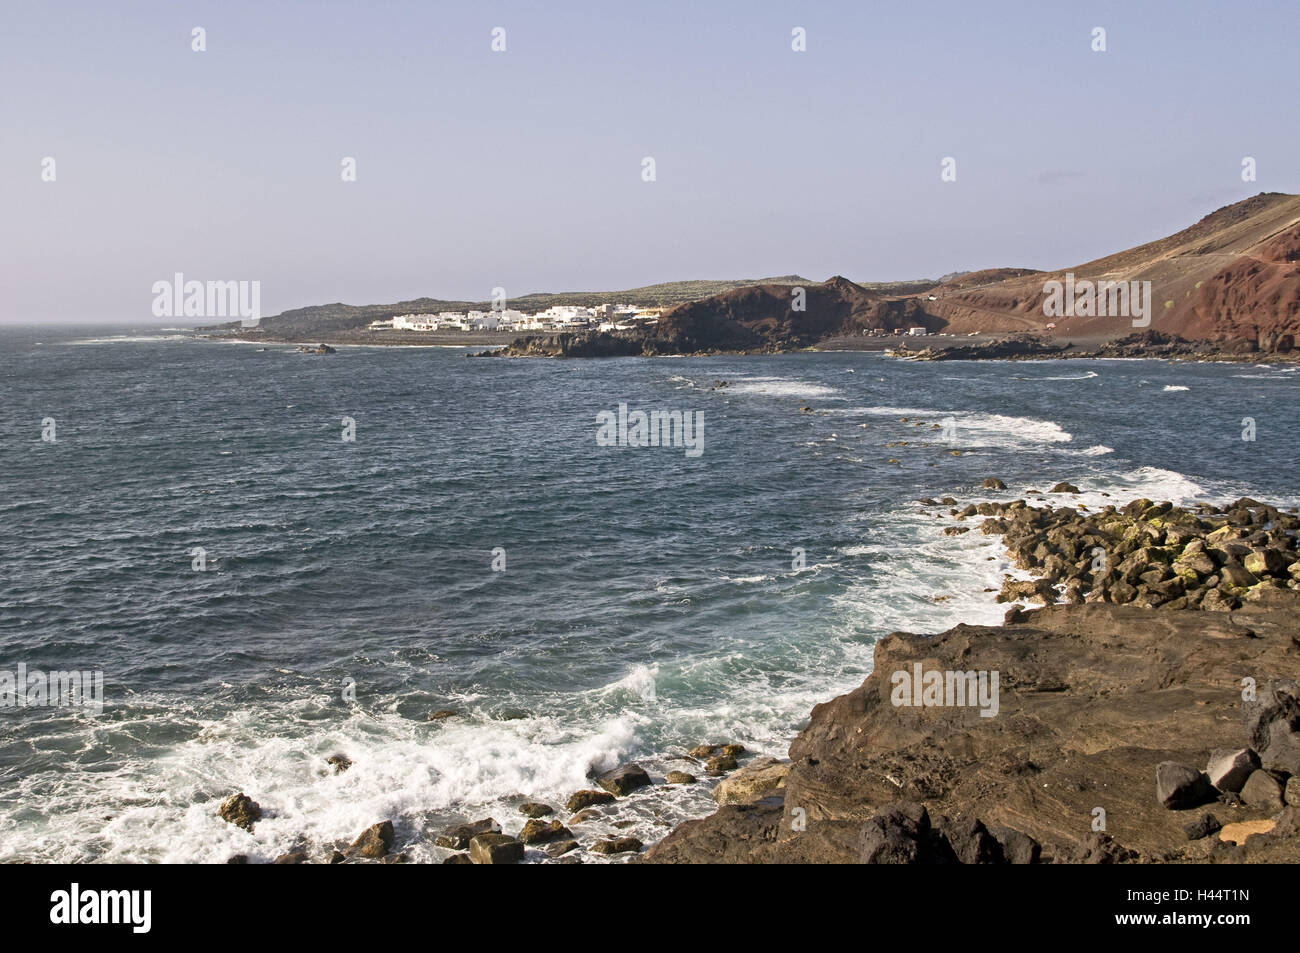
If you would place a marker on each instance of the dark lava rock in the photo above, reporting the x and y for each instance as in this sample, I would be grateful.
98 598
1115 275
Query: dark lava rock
495 849
538 831
1203 826
616 845
560 848
624 780
240 810
580 799
1179 786
900 833
1229 768
1017 847
1263 792
457 859
374 842
458 837
1098 848
293 857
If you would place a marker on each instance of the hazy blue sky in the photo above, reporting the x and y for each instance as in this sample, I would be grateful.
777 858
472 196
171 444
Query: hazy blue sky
523 169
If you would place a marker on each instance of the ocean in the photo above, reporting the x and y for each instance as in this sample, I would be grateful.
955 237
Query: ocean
261 593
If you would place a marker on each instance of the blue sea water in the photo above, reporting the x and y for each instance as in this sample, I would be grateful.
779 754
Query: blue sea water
650 600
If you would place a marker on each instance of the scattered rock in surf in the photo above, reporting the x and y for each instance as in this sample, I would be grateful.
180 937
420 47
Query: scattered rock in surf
624 779
457 859
560 848
495 849
237 859
616 845
580 799
293 857
458 837
374 842
679 777
240 810
441 714
337 857
339 762
539 832
590 814
993 483
721 763
955 530
535 809
1064 488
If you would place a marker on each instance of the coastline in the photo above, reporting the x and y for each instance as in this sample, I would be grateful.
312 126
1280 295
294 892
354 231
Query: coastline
1113 710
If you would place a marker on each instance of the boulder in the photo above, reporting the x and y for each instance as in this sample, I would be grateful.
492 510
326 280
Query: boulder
756 780
539 832
1098 848
293 857
624 779
374 842
1202 827
1228 769
616 845
1064 488
580 799
535 809
971 841
679 777
458 837
240 810
723 762
457 859
495 849
1263 792
993 483
1179 787
560 848
1264 562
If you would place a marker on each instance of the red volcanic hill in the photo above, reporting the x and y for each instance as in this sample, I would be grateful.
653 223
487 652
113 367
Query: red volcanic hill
767 315
1233 276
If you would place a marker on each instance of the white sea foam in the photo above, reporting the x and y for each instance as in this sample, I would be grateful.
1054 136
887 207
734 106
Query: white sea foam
780 387
1175 387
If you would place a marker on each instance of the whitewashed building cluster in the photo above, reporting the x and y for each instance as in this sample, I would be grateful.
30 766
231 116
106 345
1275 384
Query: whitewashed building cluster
560 317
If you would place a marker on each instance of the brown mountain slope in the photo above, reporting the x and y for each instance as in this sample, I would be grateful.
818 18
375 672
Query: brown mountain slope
1235 274
766 315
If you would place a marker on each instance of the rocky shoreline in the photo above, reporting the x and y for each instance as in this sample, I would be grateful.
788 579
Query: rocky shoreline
1121 733
1148 712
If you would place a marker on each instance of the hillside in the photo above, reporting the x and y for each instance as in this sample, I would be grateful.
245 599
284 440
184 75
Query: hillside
1233 276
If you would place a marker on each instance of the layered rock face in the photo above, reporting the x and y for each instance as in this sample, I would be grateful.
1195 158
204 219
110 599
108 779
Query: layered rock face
1092 701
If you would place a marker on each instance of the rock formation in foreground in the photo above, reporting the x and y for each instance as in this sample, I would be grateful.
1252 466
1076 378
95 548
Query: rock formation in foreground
1104 714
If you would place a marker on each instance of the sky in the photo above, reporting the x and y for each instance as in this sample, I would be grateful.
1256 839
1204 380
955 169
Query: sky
524 168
